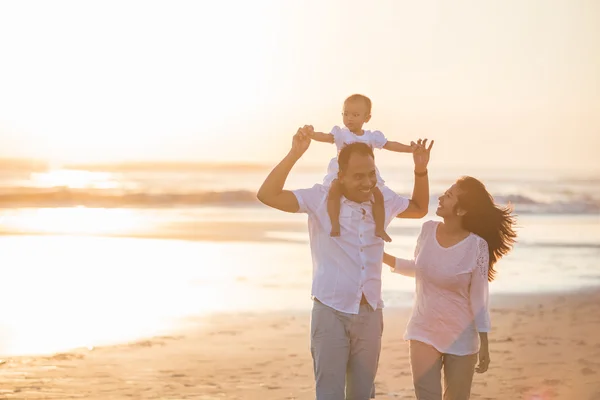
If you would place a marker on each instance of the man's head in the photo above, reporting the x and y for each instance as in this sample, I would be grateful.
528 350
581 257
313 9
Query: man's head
357 112
357 173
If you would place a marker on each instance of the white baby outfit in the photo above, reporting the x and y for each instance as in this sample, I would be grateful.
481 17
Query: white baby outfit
343 137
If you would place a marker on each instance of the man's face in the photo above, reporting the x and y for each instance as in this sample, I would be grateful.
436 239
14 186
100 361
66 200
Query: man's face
359 178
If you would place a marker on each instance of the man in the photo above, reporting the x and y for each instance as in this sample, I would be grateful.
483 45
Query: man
347 319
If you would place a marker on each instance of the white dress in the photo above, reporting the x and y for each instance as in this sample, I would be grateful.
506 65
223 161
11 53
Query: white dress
343 137
452 292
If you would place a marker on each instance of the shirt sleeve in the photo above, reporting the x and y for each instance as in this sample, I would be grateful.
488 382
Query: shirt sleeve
408 267
479 290
393 202
310 199
378 139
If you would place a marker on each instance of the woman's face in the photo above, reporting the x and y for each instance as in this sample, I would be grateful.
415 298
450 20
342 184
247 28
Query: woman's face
447 203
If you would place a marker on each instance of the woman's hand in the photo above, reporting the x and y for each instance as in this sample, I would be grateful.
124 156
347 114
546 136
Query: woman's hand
389 260
484 360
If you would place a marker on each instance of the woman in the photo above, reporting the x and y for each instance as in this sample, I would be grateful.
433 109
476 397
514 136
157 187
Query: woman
453 265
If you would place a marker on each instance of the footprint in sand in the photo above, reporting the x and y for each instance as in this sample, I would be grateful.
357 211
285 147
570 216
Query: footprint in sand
552 382
169 337
524 389
66 357
147 343
588 371
502 340
270 387
225 333
263 364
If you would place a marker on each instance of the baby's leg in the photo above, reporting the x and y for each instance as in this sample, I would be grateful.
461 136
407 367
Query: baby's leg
379 215
333 207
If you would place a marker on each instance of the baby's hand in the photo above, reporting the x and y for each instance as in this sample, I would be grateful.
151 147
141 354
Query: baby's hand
306 131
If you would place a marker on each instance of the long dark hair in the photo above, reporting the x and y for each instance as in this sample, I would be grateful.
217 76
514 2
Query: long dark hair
483 217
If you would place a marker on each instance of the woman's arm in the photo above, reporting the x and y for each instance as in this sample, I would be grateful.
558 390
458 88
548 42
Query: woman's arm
484 353
399 265
408 267
479 296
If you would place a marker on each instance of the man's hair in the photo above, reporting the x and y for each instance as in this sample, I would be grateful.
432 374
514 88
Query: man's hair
360 97
353 148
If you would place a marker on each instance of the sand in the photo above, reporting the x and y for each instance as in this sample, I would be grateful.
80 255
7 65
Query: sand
542 347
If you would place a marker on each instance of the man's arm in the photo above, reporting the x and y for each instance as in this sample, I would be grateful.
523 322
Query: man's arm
271 192
419 203
398 147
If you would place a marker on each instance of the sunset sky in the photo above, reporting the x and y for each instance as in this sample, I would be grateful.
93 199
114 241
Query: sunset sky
495 83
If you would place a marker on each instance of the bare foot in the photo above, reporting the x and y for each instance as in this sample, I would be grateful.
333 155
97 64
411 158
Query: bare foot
383 234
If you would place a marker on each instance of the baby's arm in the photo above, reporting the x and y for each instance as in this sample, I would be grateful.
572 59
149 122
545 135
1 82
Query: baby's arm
321 137
399 147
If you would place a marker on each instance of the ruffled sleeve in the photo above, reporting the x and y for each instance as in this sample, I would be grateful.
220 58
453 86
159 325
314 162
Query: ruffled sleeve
377 139
479 290
338 137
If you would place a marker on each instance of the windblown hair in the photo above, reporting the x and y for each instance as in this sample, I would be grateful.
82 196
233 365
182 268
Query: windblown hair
483 217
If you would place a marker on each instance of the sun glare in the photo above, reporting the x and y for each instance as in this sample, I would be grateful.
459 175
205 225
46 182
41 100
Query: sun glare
75 221
74 179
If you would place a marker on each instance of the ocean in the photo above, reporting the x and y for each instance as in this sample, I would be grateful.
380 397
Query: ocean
108 254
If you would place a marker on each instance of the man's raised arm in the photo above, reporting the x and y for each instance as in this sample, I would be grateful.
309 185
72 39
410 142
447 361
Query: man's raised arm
419 202
271 192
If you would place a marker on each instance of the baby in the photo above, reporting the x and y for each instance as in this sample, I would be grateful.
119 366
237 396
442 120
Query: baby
357 112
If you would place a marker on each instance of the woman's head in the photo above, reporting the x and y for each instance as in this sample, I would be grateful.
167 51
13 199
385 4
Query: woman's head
469 202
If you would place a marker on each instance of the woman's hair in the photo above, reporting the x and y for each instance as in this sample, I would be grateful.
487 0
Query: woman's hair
492 223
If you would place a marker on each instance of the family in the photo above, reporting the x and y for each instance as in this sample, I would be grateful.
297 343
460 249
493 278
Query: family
452 264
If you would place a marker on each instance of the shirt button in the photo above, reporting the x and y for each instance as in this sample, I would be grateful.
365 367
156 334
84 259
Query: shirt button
361 235
363 267
361 249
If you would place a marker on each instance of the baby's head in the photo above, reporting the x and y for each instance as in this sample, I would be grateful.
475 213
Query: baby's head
357 112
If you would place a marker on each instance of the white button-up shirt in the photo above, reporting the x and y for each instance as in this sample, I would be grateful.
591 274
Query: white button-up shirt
348 266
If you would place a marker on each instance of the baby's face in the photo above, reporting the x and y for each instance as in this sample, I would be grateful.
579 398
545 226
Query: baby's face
355 115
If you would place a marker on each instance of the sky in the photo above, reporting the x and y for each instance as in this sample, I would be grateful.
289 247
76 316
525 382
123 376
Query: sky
498 84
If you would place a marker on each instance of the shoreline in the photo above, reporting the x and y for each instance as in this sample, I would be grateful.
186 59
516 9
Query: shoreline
540 344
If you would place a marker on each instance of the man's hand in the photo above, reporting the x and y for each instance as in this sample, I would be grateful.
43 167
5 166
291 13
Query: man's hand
301 141
308 130
484 360
421 155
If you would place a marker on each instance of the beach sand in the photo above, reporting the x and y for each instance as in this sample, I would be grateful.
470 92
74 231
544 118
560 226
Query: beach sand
542 347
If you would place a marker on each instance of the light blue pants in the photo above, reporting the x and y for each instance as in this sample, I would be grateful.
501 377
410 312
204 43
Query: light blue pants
345 350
